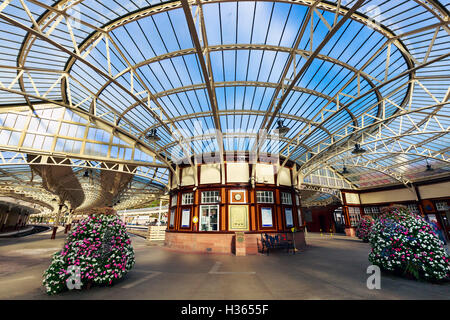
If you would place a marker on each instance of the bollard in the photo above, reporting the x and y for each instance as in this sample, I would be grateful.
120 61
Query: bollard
54 233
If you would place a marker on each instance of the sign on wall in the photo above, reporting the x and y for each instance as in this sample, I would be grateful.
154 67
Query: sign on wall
238 217
185 218
172 217
289 220
266 216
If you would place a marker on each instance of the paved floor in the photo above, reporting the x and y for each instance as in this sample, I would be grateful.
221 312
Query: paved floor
331 268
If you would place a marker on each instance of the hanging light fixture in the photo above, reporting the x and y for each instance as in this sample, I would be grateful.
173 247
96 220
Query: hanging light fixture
281 128
344 170
429 168
358 149
86 174
153 135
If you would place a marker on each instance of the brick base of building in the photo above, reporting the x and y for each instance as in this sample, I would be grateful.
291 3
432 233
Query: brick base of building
221 243
200 243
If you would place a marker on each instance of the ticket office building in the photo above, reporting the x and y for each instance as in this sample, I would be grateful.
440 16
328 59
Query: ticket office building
211 202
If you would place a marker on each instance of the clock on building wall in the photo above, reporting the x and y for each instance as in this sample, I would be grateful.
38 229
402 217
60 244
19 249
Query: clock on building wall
237 196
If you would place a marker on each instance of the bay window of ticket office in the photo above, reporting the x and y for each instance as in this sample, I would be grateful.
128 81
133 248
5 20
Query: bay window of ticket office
209 211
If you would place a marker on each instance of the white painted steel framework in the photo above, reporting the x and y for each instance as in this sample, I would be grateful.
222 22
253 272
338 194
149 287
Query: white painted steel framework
83 83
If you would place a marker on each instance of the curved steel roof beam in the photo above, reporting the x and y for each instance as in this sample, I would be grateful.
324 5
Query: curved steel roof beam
383 170
412 149
240 112
209 136
76 55
174 5
368 78
377 123
21 159
277 102
388 154
440 155
432 6
399 76
391 168
114 128
161 8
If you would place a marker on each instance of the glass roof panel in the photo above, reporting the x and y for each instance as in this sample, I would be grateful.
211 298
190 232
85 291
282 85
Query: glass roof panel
377 77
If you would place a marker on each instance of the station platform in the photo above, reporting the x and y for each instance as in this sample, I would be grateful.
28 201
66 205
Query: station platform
332 267
16 232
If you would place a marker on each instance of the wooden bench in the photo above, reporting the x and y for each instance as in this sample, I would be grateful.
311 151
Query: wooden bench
279 241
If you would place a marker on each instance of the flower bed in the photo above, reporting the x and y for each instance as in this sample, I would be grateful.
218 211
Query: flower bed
364 227
406 244
100 246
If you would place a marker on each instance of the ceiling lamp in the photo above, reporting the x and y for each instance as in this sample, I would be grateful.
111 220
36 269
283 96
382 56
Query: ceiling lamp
344 170
358 149
281 128
429 168
153 135
86 174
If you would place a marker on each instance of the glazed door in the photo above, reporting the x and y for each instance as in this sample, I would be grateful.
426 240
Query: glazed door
209 218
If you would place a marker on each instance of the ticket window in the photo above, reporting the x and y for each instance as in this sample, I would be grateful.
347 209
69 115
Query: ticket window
209 218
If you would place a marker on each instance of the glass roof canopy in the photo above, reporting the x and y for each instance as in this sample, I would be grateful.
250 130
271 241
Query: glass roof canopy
216 76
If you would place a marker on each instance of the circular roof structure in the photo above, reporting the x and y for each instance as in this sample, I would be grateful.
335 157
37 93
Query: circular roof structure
354 92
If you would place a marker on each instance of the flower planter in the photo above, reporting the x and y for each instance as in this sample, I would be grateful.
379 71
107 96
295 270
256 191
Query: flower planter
405 244
98 251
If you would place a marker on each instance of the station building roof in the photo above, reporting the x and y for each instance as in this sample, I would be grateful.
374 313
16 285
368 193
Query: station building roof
131 88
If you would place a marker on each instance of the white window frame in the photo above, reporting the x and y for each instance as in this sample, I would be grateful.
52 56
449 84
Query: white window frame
355 215
208 197
286 198
441 206
414 208
187 198
173 202
201 216
264 196
375 210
